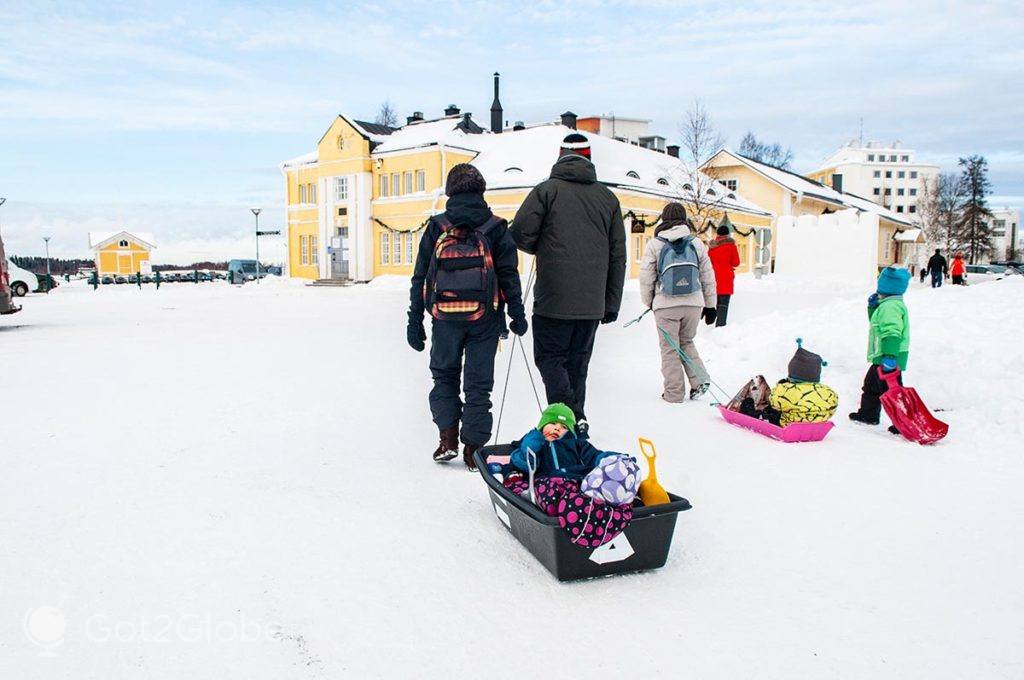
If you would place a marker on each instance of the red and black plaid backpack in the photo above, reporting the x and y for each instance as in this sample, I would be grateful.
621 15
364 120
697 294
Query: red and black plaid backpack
461 282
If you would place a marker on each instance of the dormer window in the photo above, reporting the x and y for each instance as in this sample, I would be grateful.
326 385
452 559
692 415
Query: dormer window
122 243
662 181
688 187
513 169
633 174
732 196
711 192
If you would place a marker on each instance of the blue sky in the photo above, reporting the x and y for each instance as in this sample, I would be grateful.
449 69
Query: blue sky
173 117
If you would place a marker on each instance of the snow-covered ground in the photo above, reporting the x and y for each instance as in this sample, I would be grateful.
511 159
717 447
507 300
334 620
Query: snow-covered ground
217 482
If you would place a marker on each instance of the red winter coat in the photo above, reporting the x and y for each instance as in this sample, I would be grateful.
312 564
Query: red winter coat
724 259
958 267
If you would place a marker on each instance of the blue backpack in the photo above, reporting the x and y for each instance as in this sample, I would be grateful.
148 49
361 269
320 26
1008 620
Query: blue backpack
678 267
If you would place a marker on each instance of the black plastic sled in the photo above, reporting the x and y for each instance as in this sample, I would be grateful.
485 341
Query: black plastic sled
643 545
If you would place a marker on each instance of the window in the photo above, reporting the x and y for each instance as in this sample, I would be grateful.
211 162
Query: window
303 250
122 243
913 192
311 192
662 181
688 187
901 174
877 173
877 191
900 192
899 208
407 180
913 174
302 193
383 192
409 242
633 174
892 159
340 189
396 241
905 159
421 180
888 174
314 251
385 248
638 248
912 209
871 158
888 192
396 184
733 184
711 192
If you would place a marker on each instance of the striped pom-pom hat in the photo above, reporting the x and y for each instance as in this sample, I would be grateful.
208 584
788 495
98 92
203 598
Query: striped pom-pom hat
577 144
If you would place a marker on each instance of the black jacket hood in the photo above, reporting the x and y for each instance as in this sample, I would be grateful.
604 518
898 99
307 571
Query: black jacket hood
467 210
573 168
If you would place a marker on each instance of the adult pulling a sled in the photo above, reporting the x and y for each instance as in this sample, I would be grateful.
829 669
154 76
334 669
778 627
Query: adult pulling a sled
573 224
677 281
466 272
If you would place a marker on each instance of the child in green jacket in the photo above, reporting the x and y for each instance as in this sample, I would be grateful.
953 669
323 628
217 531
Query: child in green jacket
888 342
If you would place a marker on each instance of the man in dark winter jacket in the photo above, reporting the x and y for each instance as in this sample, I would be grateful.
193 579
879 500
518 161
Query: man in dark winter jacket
938 268
458 346
573 224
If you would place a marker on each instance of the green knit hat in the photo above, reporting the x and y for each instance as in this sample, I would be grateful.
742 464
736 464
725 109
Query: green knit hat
557 413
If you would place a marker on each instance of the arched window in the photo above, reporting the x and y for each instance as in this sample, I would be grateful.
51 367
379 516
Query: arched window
688 187
732 196
633 174
123 243
662 181
513 169
711 192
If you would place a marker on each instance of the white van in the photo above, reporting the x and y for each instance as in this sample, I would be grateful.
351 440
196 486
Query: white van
23 281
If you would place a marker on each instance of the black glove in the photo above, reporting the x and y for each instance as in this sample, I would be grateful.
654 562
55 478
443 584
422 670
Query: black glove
519 326
415 335
709 314
610 317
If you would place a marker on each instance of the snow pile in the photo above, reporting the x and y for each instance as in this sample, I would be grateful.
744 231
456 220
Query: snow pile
213 481
835 246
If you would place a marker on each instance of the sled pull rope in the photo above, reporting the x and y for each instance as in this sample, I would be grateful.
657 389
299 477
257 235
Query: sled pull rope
674 345
526 360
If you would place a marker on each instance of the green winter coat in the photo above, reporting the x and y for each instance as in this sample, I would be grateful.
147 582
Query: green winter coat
890 331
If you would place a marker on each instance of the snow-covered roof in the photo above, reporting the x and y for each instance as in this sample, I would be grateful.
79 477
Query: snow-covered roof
798 184
98 239
304 159
910 235
523 158
444 131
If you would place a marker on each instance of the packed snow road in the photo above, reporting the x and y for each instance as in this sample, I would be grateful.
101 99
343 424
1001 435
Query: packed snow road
217 482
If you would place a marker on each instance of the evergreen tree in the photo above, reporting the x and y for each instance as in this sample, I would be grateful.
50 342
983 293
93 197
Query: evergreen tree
974 232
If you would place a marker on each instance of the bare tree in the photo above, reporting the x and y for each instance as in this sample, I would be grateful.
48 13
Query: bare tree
939 208
701 191
386 114
763 152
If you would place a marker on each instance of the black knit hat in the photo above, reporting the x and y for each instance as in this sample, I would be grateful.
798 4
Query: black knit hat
577 144
805 366
464 179
722 230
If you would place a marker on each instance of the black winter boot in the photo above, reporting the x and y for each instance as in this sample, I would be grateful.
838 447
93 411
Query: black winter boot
448 448
467 455
858 418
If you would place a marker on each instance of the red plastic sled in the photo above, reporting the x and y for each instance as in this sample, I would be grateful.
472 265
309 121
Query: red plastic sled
794 432
908 413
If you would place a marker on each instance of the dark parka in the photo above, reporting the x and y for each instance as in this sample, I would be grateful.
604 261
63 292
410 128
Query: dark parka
574 227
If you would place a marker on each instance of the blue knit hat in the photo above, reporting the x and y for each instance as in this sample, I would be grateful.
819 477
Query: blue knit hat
893 281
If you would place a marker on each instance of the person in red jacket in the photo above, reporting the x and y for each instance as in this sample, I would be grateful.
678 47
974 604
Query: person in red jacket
957 270
724 259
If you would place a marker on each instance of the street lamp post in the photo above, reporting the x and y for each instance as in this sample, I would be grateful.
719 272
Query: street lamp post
46 240
256 212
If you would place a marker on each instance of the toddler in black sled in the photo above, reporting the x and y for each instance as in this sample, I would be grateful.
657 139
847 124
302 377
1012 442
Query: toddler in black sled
574 507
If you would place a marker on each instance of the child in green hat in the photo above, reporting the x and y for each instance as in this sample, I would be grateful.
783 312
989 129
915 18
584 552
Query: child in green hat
560 453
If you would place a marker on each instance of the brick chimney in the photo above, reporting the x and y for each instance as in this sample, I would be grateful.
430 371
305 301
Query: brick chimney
673 150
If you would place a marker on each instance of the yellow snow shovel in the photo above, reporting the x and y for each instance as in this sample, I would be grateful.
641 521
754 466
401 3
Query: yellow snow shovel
651 492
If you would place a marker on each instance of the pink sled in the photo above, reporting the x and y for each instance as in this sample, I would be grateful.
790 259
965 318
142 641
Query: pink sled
794 432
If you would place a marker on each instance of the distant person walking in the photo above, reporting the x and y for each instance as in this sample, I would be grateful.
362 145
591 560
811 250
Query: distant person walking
573 224
938 268
467 269
958 270
677 281
725 257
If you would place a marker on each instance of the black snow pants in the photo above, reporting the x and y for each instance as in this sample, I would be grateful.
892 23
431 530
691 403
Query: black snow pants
562 350
871 394
722 317
460 349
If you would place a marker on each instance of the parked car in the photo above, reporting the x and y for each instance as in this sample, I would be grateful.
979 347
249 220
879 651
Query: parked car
120 279
7 306
107 279
244 270
988 272
22 281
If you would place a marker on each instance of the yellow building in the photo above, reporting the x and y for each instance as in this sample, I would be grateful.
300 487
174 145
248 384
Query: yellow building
781 192
120 252
356 205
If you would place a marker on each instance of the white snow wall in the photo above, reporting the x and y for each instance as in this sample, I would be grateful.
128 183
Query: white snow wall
838 246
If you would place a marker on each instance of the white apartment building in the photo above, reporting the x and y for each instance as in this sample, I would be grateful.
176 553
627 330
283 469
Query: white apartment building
1005 223
887 174
635 131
